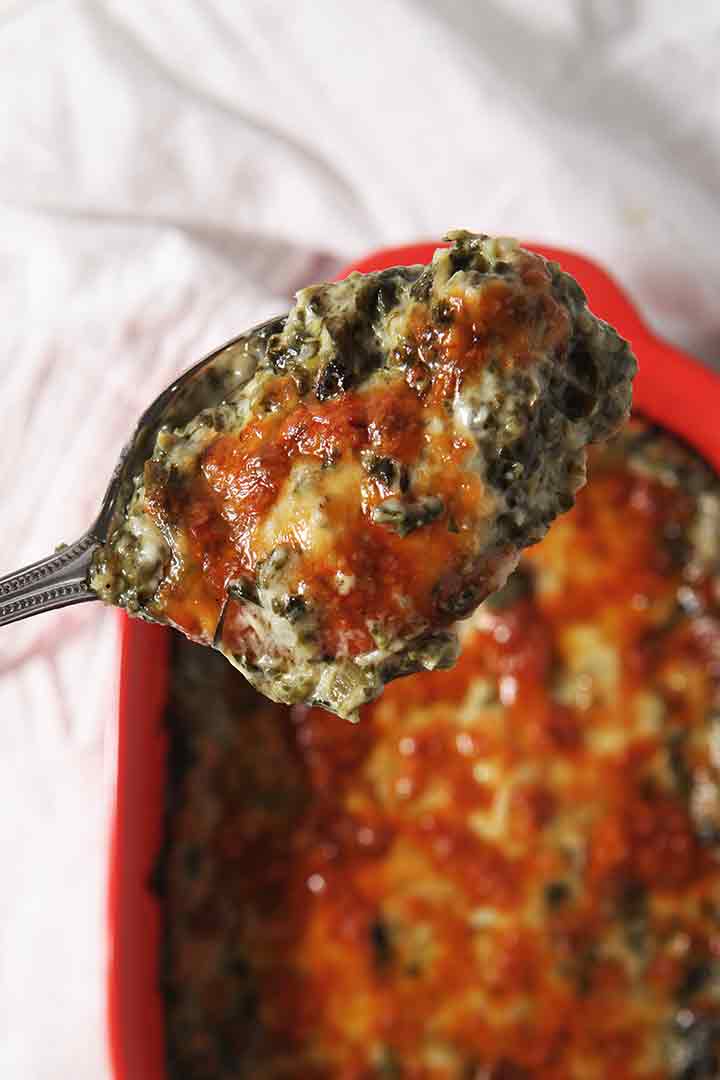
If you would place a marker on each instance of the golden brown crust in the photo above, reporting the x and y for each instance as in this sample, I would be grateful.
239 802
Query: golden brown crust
506 870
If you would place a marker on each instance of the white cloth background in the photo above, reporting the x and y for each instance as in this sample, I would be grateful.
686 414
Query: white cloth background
170 171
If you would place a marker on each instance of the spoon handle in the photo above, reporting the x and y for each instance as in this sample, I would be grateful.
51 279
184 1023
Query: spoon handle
56 581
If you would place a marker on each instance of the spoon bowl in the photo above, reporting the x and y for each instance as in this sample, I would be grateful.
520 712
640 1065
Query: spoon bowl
62 578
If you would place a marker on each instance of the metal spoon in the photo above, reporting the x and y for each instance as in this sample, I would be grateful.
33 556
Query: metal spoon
62 578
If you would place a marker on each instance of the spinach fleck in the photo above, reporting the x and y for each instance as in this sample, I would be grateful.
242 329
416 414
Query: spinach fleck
381 943
404 516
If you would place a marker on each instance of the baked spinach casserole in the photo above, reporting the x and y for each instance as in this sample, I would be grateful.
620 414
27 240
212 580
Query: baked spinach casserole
507 871
396 445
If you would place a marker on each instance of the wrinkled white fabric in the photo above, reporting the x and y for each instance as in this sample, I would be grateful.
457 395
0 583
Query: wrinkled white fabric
170 172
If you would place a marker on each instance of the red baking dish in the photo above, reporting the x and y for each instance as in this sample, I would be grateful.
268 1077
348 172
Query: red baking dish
671 388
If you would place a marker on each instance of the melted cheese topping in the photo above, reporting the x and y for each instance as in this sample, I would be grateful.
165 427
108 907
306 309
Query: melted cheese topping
507 870
409 431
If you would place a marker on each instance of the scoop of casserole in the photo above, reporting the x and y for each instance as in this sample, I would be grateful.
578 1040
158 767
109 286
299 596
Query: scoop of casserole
400 441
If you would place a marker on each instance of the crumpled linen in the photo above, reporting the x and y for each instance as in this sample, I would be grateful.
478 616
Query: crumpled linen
170 173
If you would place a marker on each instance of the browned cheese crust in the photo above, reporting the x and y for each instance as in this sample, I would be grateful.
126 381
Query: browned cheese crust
506 871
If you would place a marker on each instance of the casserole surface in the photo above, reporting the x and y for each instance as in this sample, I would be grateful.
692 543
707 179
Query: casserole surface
508 868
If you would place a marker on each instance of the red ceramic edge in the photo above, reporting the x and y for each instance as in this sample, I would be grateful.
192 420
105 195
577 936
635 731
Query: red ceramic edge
671 389
134 1007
